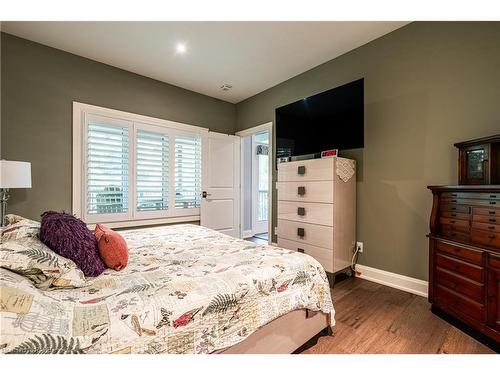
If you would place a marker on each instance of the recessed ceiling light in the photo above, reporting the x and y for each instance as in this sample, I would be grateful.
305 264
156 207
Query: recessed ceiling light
181 48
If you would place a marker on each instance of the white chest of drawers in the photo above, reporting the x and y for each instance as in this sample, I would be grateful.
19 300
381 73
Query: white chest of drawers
317 210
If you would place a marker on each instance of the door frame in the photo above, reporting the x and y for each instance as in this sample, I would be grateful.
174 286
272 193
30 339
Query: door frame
249 132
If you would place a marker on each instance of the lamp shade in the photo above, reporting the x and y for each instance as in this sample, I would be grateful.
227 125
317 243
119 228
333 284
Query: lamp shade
15 174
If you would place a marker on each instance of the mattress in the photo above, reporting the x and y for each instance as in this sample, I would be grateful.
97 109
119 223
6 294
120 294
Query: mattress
186 289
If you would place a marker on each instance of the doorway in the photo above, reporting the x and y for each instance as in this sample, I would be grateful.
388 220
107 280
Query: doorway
256 183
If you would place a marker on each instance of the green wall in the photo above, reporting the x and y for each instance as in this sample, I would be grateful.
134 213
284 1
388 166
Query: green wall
427 85
38 87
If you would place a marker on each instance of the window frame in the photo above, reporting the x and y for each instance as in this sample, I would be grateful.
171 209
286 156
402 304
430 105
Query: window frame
81 115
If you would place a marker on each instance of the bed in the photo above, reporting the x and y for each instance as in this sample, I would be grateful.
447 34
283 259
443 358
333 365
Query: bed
187 289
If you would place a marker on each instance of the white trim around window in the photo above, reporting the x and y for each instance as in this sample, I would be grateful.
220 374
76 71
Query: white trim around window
130 124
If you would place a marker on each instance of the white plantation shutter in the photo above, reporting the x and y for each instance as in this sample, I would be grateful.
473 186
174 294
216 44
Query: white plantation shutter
107 168
151 171
187 171
127 168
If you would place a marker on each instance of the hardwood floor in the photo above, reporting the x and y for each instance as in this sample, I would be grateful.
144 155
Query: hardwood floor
372 318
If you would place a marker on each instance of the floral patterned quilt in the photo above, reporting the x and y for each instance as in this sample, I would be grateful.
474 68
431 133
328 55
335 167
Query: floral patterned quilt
186 289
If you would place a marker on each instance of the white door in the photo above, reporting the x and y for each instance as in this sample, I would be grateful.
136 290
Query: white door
220 203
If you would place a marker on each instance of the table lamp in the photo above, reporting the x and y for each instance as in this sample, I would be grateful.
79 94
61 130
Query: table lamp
13 175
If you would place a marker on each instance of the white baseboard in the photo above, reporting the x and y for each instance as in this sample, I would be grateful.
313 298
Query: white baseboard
394 280
247 234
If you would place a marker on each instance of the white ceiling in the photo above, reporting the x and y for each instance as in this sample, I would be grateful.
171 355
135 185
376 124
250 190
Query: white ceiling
250 56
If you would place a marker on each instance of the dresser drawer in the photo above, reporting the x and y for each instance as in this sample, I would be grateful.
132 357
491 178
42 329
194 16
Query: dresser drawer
316 235
323 256
470 195
473 202
486 226
465 269
307 170
469 255
486 238
453 207
448 299
490 219
454 222
454 228
453 234
312 191
313 213
455 215
487 212
494 261
459 284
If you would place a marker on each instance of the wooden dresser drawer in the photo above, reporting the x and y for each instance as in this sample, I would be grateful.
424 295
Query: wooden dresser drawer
316 235
459 284
486 211
468 255
471 271
313 213
473 202
311 191
490 219
454 208
486 238
453 234
324 256
486 226
454 222
307 170
469 195
448 299
455 215
494 261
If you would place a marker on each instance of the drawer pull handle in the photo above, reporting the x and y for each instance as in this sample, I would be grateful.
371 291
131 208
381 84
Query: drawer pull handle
301 190
493 202
301 211
301 169
300 250
491 227
454 201
301 232
453 194
491 236
453 214
452 221
492 220
453 208
493 196
491 212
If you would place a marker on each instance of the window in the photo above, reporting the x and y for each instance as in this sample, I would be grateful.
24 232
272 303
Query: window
128 167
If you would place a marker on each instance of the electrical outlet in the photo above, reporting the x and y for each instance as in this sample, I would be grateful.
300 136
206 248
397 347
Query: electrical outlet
359 247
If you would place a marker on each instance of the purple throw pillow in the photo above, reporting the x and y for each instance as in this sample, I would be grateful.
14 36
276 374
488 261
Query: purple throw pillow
70 238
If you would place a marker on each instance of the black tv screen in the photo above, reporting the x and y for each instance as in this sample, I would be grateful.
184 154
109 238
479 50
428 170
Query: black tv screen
328 120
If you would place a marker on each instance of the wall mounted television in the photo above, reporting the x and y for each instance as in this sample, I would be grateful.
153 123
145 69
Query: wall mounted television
328 120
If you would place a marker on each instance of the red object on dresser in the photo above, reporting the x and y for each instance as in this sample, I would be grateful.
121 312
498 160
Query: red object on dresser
112 247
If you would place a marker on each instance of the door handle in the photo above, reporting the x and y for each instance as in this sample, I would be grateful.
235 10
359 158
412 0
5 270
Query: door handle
205 194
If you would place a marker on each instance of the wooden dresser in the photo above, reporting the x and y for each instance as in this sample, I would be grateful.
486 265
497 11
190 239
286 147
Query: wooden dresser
317 210
464 255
